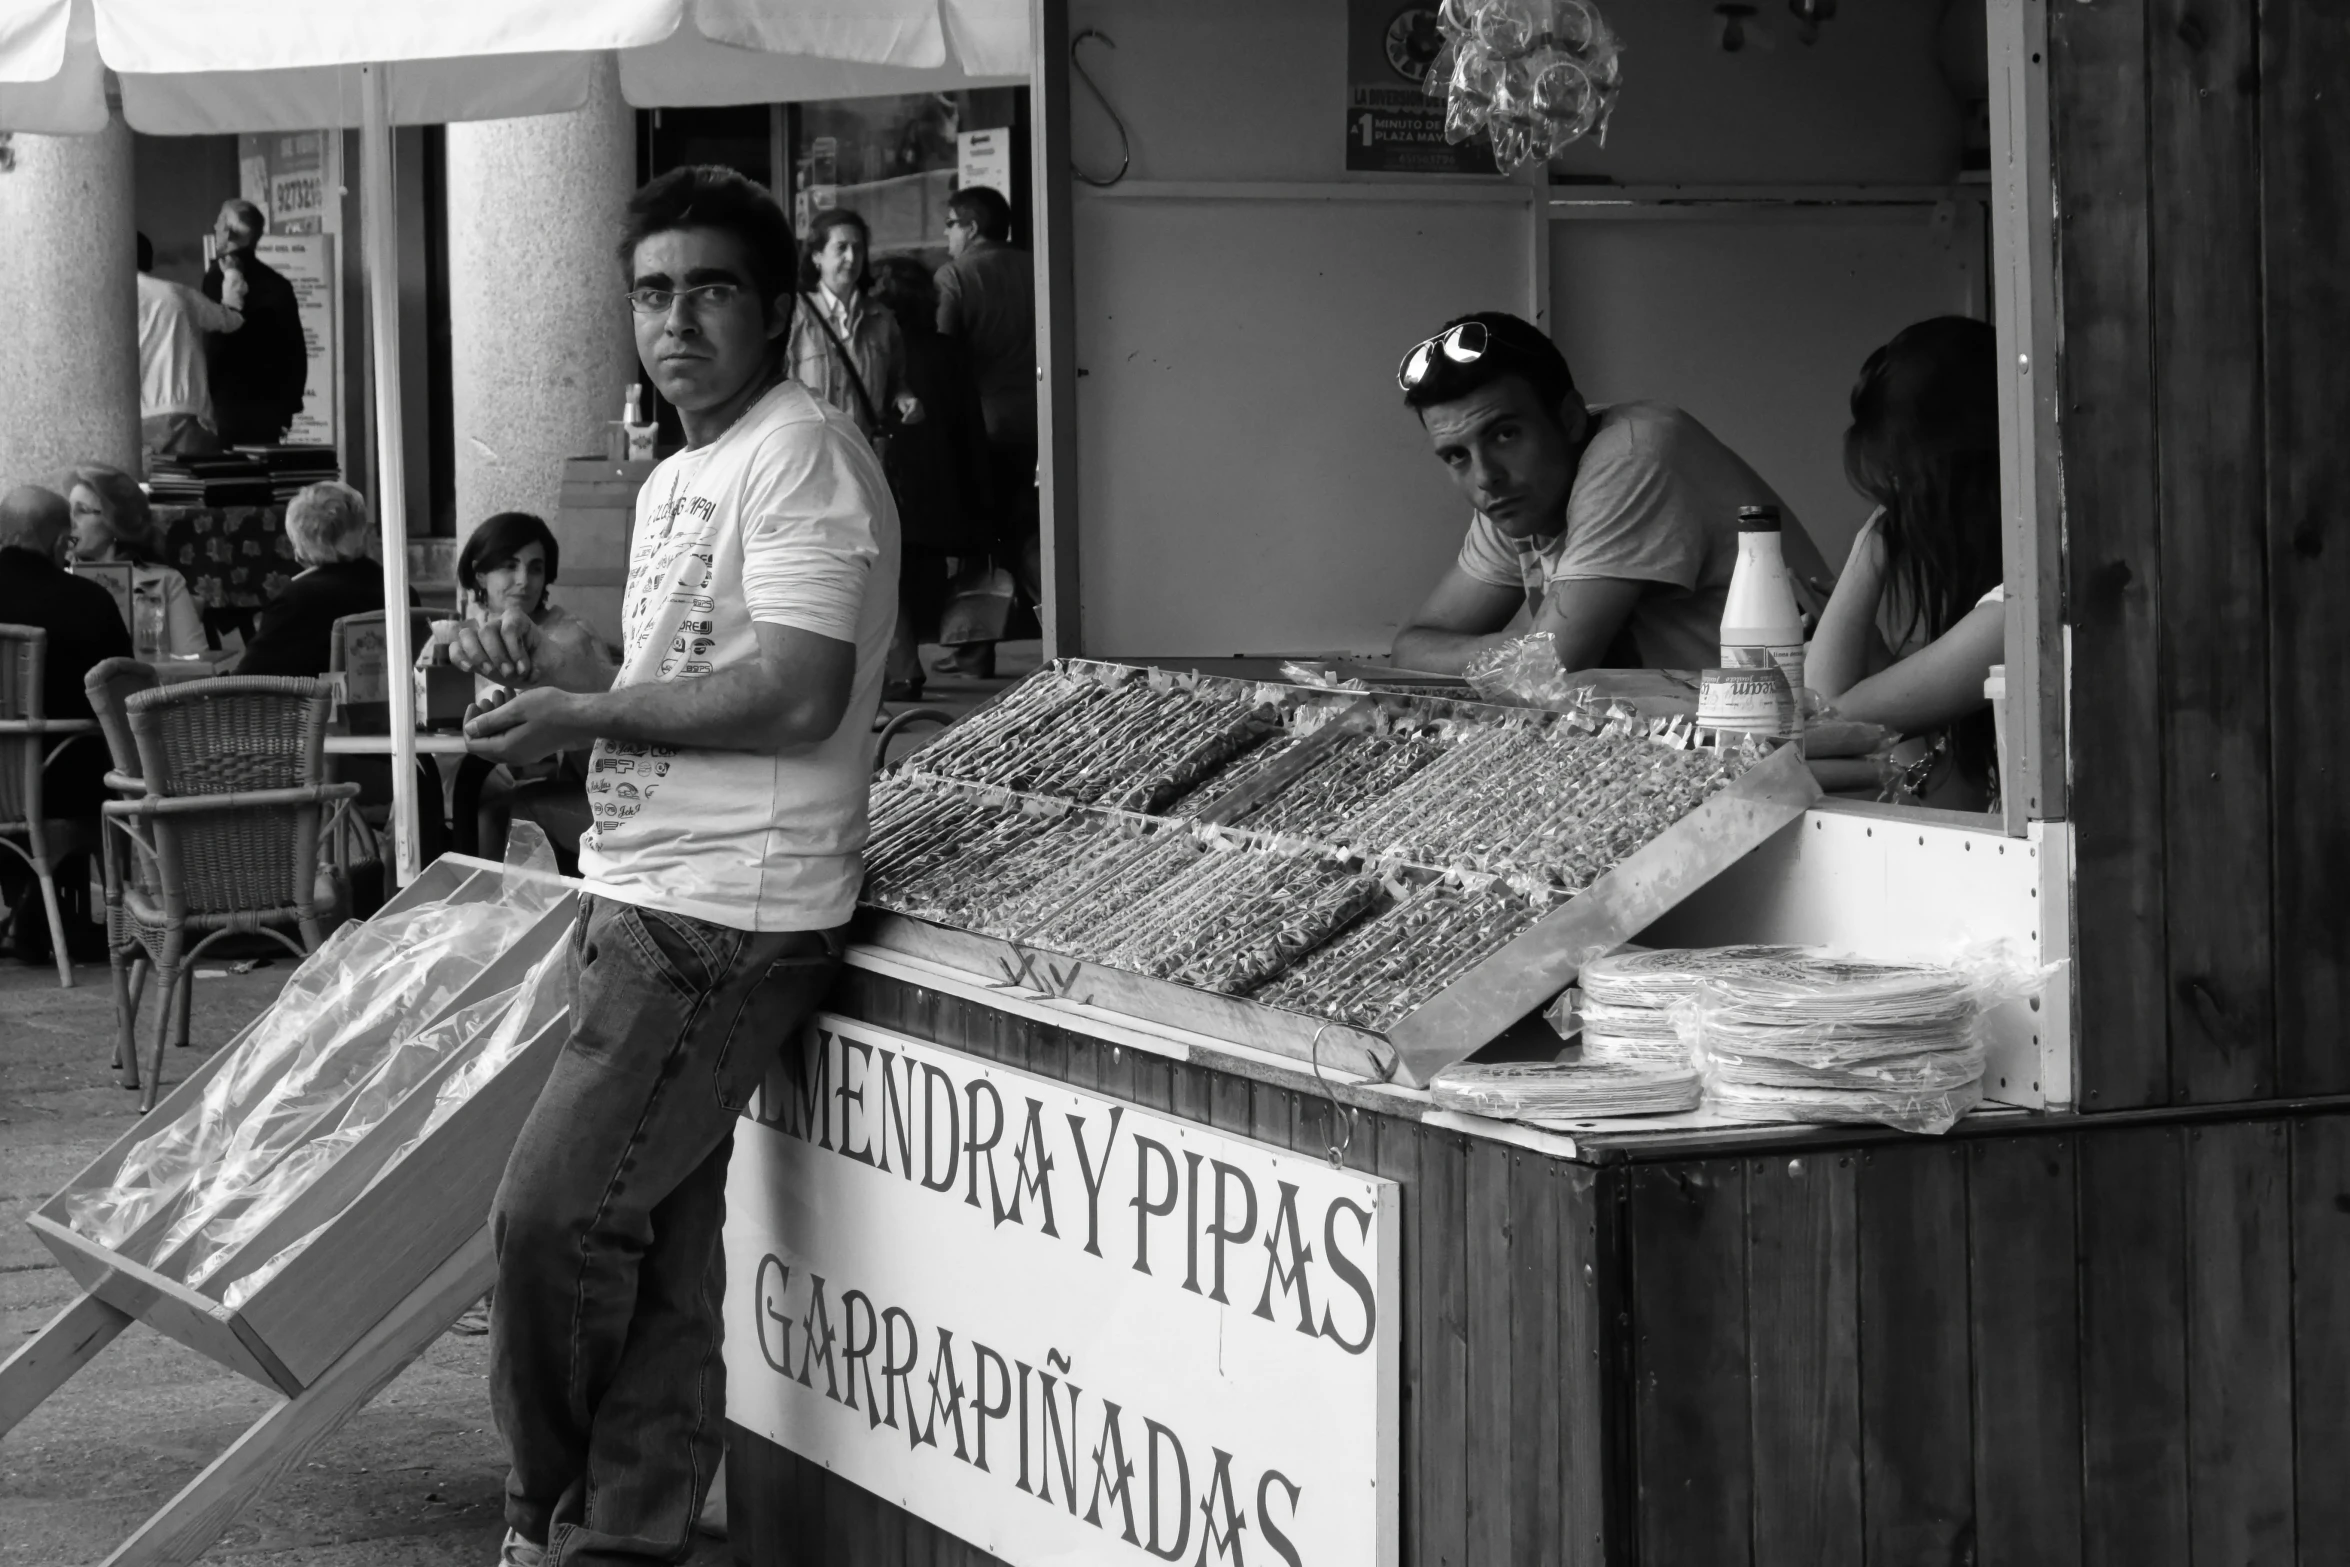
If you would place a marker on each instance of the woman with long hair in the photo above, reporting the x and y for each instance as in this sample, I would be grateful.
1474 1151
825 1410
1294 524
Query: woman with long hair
1918 617
113 522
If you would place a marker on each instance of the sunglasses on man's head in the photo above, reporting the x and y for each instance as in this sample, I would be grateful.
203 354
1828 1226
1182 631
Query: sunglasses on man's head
1463 345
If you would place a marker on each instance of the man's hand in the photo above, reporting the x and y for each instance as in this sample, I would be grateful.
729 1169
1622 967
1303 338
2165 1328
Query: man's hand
909 408
506 649
526 726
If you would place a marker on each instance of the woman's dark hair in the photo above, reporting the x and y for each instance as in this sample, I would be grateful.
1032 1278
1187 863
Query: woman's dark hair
707 196
905 286
984 208
1924 445
1516 347
820 230
497 542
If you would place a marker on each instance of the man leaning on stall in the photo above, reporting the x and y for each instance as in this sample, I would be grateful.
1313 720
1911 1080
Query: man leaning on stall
728 794
1615 527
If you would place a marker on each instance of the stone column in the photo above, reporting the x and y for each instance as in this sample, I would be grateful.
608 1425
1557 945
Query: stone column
69 374
540 345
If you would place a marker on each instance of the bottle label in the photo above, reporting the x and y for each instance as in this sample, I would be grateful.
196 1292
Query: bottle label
1754 699
1786 656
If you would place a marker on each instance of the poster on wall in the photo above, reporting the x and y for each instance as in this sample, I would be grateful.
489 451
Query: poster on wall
308 262
295 177
1060 1327
1392 125
984 158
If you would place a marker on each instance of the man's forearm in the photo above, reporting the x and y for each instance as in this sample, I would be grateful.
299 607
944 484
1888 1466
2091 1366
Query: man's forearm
730 710
1434 652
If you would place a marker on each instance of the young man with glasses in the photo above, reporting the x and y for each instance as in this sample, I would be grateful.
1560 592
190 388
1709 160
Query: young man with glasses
1616 527
762 591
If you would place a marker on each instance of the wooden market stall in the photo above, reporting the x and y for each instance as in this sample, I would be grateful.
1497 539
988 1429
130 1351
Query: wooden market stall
2106 1320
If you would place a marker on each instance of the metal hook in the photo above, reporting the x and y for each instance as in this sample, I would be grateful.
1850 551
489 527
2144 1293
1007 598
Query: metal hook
1125 143
1339 1148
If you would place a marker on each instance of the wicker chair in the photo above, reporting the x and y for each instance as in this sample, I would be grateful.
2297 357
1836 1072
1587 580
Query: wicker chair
223 839
29 742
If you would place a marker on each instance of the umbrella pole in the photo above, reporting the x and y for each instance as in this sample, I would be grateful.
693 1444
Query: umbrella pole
378 219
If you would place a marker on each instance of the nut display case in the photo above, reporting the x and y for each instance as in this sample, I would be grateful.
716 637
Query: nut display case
1378 881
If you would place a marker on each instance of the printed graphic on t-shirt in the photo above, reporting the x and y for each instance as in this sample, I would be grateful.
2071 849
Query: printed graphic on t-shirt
672 626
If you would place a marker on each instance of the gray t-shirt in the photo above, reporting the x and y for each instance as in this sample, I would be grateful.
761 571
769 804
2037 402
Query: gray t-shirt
1656 500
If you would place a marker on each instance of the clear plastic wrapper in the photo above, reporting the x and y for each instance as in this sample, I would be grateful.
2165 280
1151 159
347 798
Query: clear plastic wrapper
1832 1038
1564 1090
495 1031
1930 1112
1524 672
1535 76
342 1015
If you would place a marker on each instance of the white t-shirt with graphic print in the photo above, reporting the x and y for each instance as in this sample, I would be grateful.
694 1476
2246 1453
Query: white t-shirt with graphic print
786 518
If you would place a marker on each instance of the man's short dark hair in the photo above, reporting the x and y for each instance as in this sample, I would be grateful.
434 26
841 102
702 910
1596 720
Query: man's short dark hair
984 208
1517 347
708 196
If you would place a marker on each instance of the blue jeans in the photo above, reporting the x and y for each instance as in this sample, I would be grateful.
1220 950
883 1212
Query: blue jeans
605 1371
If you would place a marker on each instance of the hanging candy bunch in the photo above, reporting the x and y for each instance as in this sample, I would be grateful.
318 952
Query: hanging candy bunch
1535 75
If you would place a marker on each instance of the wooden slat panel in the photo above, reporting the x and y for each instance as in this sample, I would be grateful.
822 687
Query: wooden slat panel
2114 569
1696 1465
2239 1344
1583 1396
1443 1335
811 1528
1272 1115
2305 173
1537 1390
2321 1333
2205 222
1394 1147
1803 1328
1917 1418
1490 1383
2134 1348
2026 1353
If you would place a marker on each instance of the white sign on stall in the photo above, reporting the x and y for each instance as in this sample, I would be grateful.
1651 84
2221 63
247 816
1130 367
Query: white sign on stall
308 263
984 158
1060 1327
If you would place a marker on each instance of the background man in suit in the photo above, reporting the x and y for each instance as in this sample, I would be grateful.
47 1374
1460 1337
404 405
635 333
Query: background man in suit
258 372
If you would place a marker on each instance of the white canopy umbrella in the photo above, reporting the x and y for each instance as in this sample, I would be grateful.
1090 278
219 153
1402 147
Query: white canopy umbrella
268 65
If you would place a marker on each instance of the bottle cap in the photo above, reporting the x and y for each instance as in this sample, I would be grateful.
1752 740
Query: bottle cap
1758 519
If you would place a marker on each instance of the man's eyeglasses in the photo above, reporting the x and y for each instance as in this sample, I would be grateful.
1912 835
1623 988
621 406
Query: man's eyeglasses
702 296
959 223
1463 345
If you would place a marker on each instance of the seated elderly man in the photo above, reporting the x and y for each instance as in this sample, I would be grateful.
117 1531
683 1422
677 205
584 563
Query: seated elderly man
84 628
329 528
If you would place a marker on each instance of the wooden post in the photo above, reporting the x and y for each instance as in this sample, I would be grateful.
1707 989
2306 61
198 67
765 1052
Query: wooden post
378 222
2023 291
1056 327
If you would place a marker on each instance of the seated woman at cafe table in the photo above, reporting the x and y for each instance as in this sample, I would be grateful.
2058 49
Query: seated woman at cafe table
1919 617
113 522
508 563
1616 526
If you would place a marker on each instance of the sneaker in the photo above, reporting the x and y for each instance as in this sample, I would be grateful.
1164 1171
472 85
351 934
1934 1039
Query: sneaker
519 1552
